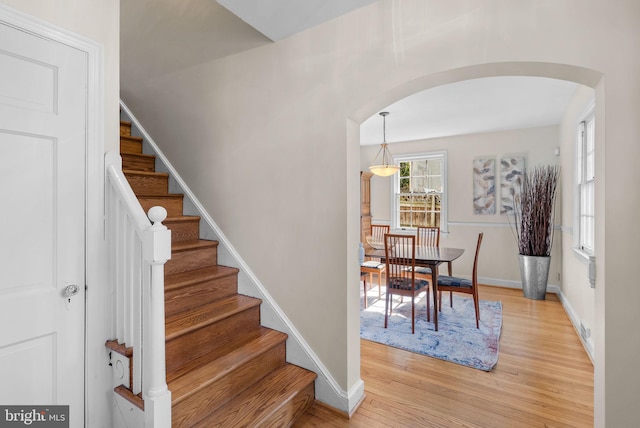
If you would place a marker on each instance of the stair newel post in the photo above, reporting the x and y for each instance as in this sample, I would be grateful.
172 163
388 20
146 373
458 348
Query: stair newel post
156 395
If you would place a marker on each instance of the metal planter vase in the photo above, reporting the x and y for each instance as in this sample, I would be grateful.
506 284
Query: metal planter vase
534 271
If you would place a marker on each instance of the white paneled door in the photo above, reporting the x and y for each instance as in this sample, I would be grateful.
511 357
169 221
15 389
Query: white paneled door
43 135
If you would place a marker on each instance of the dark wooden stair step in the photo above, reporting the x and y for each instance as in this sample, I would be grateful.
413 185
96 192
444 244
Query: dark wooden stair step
138 162
209 328
277 400
208 314
120 348
184 382
148 183
209 384
125 127
183 228
126 393
130 144
191 255
187 279
189 290
173 203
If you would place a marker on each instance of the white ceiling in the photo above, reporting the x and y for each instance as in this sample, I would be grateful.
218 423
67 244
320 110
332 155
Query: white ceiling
472 106
278 19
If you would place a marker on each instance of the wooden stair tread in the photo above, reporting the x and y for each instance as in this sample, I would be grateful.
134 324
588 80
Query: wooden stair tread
192 244
138 161
185 279
131 138
166 196
256 404
145 173
203 371
126 393
181 219
121 349
207 314
139 155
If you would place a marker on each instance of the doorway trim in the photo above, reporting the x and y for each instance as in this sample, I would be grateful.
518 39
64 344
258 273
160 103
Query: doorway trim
581 75
571 73
96 326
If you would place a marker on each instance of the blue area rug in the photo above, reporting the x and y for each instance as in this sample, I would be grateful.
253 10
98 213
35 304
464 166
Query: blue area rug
457 339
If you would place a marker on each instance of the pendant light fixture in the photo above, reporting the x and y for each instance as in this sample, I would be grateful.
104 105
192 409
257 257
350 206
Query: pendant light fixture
386 167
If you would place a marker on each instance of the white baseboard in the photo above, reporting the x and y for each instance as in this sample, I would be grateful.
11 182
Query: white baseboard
575 321
551 288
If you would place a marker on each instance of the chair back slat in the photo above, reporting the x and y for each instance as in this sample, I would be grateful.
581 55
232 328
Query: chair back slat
378 231
400 260
428 236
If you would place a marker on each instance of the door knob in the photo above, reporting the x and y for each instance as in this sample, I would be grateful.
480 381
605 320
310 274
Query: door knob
70 291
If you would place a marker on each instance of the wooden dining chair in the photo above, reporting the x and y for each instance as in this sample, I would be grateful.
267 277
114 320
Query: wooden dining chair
374 266
401 280
378 231
430 237
369 268
462 285
426 237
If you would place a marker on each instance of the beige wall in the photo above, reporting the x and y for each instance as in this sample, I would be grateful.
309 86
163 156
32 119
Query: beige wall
580 297
499 254
261 138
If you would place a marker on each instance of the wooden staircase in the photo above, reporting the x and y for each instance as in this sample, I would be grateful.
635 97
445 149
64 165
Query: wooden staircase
223 368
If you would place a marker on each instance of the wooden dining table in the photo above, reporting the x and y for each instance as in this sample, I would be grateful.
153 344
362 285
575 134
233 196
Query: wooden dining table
430 257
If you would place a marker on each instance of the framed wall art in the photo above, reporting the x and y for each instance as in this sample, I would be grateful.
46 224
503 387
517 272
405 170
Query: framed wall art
484 186
511 175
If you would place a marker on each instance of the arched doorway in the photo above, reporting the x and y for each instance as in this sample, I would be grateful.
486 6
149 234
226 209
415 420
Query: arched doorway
579 75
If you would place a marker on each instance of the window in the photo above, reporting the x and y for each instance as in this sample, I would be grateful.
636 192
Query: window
585 182
420 191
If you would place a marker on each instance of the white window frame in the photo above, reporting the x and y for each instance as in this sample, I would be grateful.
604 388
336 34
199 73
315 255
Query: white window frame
395 216
584 193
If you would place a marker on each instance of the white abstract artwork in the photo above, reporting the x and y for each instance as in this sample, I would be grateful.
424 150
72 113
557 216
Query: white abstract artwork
484 186
511 176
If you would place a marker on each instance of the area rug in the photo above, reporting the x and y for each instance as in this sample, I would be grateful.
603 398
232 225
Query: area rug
457 339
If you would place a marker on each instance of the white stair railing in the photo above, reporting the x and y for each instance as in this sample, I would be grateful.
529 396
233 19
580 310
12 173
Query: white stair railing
139 246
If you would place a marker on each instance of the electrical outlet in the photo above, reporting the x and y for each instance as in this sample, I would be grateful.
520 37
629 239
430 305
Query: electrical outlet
585 332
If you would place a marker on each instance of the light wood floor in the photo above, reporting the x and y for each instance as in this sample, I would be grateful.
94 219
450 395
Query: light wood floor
543 378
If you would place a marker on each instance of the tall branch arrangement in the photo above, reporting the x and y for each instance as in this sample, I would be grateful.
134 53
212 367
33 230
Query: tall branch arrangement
533 211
